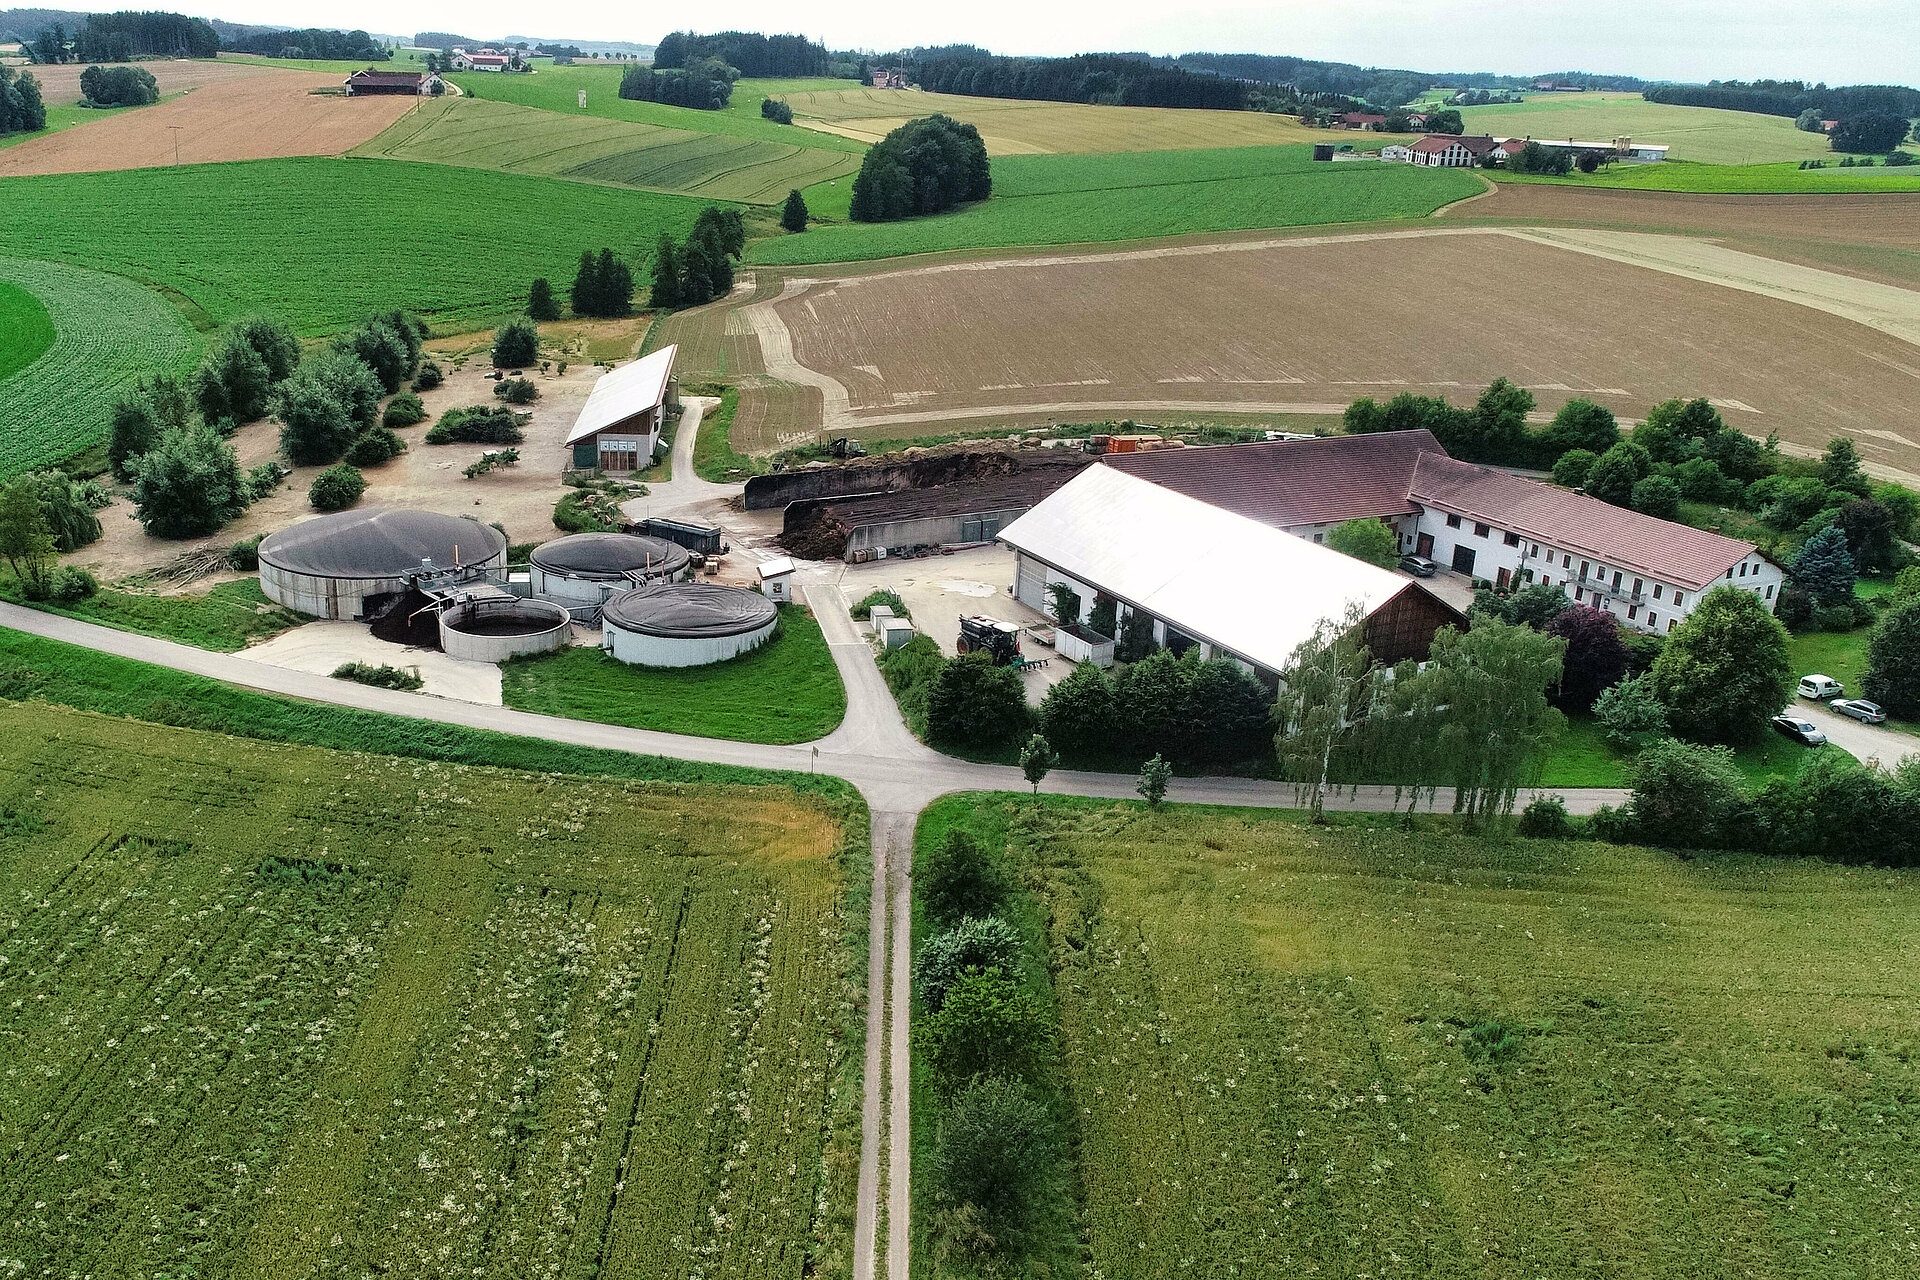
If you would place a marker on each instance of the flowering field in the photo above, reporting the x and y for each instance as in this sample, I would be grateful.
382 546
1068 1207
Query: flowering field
273 1010
1354 1050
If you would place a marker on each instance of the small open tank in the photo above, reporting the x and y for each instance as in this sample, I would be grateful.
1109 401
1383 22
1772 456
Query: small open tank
496 628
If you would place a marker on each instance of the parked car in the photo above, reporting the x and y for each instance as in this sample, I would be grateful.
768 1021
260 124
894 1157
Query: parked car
1419 566
1820 688
1860 709
1799 730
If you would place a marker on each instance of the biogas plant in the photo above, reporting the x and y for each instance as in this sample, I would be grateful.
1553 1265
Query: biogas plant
434 581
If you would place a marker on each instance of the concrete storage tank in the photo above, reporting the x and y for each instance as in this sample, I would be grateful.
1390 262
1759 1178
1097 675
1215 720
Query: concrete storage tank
685 624
329 565
495 628
586 568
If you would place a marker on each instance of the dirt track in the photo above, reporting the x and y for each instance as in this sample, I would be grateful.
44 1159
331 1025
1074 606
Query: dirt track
228 111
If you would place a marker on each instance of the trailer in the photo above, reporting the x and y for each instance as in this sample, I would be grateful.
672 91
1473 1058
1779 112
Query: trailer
705 538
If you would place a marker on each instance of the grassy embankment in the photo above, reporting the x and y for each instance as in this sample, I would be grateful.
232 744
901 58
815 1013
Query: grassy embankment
787 690
1075 199
614 1021
1354 1049
225 619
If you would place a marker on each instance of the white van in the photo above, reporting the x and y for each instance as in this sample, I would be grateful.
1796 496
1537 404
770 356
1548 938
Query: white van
1820 688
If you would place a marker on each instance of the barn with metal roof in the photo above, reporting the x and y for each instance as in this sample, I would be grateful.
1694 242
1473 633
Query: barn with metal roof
619 426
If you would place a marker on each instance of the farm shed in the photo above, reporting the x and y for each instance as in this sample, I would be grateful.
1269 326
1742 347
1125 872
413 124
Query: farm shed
586 568
330 565
685 624
363 83
619 426
967 511
776 579
1233 586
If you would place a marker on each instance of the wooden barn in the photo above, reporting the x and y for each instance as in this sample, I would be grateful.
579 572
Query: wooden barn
363 83
619 426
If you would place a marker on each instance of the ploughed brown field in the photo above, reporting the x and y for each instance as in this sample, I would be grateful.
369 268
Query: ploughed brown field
224 111
1304 326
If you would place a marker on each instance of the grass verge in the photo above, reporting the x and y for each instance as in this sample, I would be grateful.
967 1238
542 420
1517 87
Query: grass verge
713 456
228 618
1352 1048
787 690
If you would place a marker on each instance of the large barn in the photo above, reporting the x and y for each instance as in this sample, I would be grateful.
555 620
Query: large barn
1208 577
619 427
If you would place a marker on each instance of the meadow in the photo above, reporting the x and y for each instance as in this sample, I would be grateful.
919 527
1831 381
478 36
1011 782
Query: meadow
1046 200
1356 1049
85 336
787 690
443 1019
497 135
324 241
1738 179
225 619
1706 134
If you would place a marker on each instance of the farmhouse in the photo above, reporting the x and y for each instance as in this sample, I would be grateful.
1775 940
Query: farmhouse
1209 577
1445 151
1485 524
1358 120
483 60
619 426
882 79
363 83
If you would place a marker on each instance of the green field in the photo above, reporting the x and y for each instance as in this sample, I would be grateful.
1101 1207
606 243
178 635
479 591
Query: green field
787 690
293 1012
59 116
1582 757
1071 199
1738 179
105 331
1707 134
558 89
324 241
226 618
499 135
1356 1050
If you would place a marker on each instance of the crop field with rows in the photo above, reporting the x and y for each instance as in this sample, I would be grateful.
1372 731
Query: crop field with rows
1358 1050
324 241
272 1010
497 135
1078 199
85 337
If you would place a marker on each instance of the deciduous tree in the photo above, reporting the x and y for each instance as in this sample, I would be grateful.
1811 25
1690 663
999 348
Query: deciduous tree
1893 661
1724 672
1367 540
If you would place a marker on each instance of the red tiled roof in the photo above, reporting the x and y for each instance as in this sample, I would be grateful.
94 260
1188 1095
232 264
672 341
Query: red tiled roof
1363 117
1676 553
1434 143
1294 482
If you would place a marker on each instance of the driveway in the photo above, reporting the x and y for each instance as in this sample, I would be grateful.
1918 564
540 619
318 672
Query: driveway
1864 741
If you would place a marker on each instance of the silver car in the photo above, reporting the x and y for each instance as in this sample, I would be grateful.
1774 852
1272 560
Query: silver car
1860 709
1418 566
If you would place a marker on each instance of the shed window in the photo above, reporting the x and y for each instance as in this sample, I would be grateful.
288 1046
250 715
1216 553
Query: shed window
1453 522
1480 530
1513 539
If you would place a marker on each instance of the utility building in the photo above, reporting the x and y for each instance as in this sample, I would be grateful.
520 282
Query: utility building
619 426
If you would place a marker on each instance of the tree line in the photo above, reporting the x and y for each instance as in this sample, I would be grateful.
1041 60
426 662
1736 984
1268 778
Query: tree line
924 166
1110 79
704 83
121 37
312 42
754 54
1790 97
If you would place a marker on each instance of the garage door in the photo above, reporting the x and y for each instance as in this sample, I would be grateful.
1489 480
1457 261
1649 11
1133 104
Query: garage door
1030 583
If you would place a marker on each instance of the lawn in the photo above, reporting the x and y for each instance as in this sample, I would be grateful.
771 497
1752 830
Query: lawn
324 241
226 618
1737 179
1358 1050
521 139
71 340
1706 134
787 690
1584 758
290 1009
1040 200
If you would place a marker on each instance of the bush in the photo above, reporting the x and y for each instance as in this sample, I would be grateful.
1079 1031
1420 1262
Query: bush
988 1025
974 703
1893 661
1794 608
516 390
990 1163
188 484
1686 796
263 480
429 376
516 344
864 610
1838 618
371 448
336 488
1656 496
70 585
404 410
327 401
977 942
910 672
1546 819
586 511
68 506
1630 715
1596 657
1135 639
1079 714
1367 540
775 110
380 677
383 349
959 879
477 424
1573 467
244 555
1701 480
489 460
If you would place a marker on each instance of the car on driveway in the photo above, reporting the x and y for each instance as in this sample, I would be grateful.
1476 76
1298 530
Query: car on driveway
1804 731
1419 566
1820 688
1860 709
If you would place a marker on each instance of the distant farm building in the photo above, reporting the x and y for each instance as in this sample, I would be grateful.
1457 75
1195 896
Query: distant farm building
481 60
1445 151
1398 152
888 80
619 426
365 83
1358 120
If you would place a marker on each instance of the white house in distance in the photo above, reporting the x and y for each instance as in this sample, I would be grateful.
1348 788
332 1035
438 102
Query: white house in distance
619 426
1485 524
1209 577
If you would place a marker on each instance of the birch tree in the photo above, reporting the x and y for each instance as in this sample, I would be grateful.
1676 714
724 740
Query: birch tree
1326 694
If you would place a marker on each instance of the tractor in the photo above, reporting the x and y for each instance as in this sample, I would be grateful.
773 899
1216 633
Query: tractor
998 640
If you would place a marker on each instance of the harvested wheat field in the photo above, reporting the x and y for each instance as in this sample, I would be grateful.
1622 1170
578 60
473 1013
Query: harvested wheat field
1306 325
60 85
228 112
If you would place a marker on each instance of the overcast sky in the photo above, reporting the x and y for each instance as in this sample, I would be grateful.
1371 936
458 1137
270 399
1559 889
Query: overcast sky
1839 41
